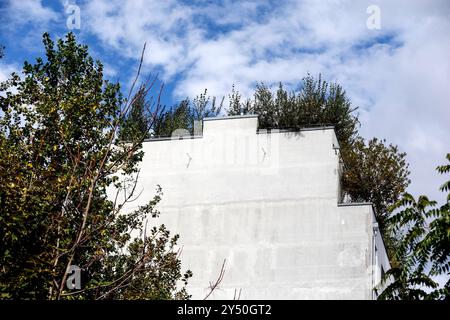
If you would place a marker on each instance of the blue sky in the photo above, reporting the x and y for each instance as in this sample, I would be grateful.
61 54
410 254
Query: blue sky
398 75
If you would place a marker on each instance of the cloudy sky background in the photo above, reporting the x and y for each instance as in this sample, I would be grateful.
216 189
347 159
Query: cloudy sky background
398 75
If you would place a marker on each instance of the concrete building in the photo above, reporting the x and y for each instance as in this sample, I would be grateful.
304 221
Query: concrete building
268 202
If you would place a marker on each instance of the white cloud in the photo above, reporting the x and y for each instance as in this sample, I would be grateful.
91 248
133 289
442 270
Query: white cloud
5 73
126 26
32 18
6 70
109 71
30 11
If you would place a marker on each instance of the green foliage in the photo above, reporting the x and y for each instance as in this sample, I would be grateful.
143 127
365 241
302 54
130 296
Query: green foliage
317 103
377 173
186 115
178 117
60 151
137 122
2 48
424 247
203 106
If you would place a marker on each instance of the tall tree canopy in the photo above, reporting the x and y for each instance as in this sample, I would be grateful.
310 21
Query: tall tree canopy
60 153
377 172
185 116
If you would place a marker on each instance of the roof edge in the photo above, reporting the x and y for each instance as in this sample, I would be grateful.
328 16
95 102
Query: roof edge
241 116
258 131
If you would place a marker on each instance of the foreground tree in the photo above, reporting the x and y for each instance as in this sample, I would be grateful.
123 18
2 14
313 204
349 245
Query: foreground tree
424 247
61 157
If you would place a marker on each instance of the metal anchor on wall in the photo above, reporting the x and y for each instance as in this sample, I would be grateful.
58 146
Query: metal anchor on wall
189 161
264 155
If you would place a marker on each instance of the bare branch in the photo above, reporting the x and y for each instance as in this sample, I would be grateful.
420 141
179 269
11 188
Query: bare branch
213 286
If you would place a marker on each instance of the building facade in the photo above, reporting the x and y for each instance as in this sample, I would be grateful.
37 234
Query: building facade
268 203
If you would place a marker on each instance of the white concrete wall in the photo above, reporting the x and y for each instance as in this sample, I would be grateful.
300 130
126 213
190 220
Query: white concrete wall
268 204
